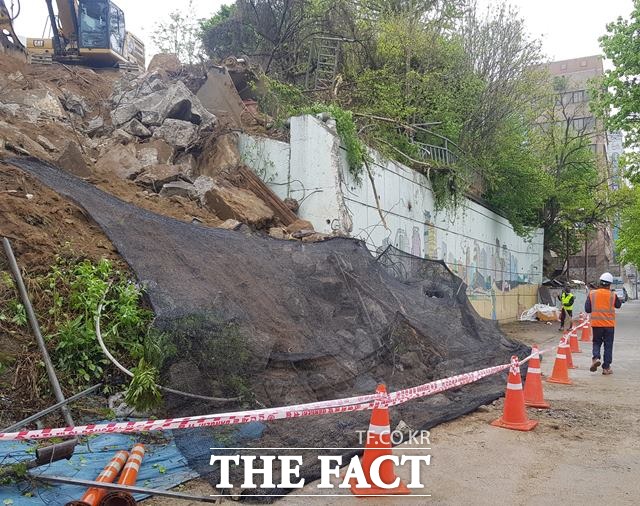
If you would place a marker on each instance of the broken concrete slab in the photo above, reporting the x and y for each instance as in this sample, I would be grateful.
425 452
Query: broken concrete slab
134 127
180 134
156 176
178 188
154 152
220 97
72 160
119 160
228 202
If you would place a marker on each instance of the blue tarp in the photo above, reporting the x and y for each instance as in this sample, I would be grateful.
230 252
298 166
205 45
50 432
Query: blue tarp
163 467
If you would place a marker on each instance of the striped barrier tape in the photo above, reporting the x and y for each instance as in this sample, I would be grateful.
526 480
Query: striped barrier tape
345 405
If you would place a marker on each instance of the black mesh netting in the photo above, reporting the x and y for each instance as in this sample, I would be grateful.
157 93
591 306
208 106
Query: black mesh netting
294 322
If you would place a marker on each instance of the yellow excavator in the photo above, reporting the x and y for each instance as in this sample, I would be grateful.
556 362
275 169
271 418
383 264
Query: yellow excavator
87 32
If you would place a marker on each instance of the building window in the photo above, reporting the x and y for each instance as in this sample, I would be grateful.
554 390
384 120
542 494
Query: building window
578 96
594 148
578 124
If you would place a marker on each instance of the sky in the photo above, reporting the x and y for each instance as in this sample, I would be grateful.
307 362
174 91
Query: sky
567 28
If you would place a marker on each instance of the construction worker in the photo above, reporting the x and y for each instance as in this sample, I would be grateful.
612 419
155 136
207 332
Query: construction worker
602 304
566 298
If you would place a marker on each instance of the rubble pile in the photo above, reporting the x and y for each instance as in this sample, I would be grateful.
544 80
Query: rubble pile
146 138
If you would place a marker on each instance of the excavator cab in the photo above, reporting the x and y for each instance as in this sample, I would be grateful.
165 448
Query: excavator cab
101 27
88 32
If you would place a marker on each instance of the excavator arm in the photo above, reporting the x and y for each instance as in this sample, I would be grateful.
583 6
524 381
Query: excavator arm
9 42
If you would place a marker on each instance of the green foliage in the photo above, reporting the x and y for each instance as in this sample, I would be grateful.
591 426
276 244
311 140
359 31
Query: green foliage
617 96
74 290
143 392
628 243
348 132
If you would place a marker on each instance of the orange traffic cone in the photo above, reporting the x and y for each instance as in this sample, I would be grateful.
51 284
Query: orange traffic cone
377 445
128 477
93 495
560 373
514 415
564 344
533 395
586 331
573 342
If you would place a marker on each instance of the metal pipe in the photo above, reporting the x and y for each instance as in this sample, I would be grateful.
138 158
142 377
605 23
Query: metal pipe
33 321
51 409
131 489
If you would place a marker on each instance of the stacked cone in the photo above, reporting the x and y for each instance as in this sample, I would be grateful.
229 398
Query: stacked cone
514 415
533 394
560 373
378 444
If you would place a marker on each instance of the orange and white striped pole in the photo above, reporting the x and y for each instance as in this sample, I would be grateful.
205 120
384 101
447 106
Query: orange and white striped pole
128 477
94 495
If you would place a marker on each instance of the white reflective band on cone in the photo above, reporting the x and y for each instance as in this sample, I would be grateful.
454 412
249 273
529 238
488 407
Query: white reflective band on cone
379 429
558 355
514 386
534 370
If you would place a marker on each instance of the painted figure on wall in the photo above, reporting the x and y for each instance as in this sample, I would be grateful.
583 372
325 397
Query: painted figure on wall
431 239
416 247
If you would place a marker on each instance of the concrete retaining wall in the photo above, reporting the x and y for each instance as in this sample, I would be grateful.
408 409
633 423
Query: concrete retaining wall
502 270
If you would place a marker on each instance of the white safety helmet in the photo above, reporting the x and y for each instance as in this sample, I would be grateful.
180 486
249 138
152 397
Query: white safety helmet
606 278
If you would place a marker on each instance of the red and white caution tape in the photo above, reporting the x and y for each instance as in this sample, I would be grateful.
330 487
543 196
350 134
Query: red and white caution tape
345 405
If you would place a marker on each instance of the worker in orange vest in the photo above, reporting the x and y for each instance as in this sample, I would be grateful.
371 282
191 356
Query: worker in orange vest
602 304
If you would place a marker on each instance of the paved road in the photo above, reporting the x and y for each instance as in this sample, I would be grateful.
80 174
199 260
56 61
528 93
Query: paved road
585 450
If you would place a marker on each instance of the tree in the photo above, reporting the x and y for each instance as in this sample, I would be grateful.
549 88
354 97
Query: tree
618 95
180 35
629 239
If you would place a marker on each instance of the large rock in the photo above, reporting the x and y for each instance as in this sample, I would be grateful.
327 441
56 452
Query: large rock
34 102
134 127
202 185
180 134
73 103
73 161
220 155
154 152
121 161
156 176
167 62
228 202
300 225
178 189
174 102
